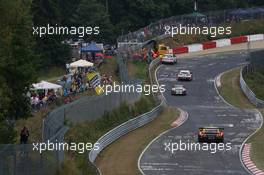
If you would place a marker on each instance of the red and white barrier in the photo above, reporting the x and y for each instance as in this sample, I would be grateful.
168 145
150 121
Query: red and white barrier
223 42
180 50
256 37
209 45
239 39
217 43
195 47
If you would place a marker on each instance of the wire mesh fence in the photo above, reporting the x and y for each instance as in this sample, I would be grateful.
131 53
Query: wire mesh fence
22 160
85 109
213 18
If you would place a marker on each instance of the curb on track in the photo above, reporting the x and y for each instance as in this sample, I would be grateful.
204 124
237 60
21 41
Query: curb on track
244 151
183 116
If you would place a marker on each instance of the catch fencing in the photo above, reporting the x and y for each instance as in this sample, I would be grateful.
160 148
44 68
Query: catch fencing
85 109
248 92
21 160
89 107
132 124
256 64
212 18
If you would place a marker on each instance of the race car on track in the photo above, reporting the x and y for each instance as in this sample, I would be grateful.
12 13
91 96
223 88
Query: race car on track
178 90
211 134
184 75
169 58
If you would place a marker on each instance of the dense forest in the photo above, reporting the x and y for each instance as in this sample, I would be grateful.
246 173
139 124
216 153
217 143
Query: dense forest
23 55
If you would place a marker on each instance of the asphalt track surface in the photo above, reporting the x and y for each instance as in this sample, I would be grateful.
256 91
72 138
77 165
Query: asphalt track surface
205 108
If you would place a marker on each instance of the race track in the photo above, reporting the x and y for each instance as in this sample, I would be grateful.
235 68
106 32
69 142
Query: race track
204 107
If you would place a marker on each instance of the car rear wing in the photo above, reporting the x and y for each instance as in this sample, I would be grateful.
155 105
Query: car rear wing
204 128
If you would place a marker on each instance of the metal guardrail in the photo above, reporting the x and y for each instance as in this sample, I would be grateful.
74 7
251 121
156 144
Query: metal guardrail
211 18
123 129
248 92
130 125
22 160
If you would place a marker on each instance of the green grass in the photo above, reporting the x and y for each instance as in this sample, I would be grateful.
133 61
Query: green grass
109 67
52 74
238 29
232 93
257 144
255 81
111 160
137 69
34 122
230 90
90 132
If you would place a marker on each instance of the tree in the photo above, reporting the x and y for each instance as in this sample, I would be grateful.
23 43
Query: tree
49 47
17 63
92 13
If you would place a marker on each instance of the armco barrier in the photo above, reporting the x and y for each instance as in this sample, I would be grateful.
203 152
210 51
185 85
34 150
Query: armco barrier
238 39
247 91
209 45
179 50
123 129
130 125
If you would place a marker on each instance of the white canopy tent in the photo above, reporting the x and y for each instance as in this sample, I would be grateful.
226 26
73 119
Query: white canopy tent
81 63
46 85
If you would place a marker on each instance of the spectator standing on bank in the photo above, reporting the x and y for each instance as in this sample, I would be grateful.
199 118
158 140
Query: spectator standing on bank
67 68
24 134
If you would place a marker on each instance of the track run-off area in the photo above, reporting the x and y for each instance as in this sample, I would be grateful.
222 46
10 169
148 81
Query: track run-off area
205 107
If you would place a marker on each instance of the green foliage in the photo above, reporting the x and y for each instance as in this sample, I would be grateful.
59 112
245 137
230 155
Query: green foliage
17 63
49 47
255 81
91 131
91 13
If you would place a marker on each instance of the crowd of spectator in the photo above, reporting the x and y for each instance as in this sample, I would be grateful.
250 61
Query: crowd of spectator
40 98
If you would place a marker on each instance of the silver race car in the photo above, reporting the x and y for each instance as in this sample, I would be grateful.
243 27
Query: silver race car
178 90
184 75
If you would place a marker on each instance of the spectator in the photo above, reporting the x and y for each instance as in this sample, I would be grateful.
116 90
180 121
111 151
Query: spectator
24 134
67 68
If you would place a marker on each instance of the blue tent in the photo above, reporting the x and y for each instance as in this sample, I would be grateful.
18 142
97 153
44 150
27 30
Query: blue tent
91 48
256 10
239 12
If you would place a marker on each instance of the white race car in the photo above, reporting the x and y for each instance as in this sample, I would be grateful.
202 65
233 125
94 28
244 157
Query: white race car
169 58
185 75
178 90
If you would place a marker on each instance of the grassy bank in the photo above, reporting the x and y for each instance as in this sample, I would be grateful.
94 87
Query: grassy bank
137 69
257 144
121 156
255 81
232 93
230 90
241 28
90 132
34 122
52 74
